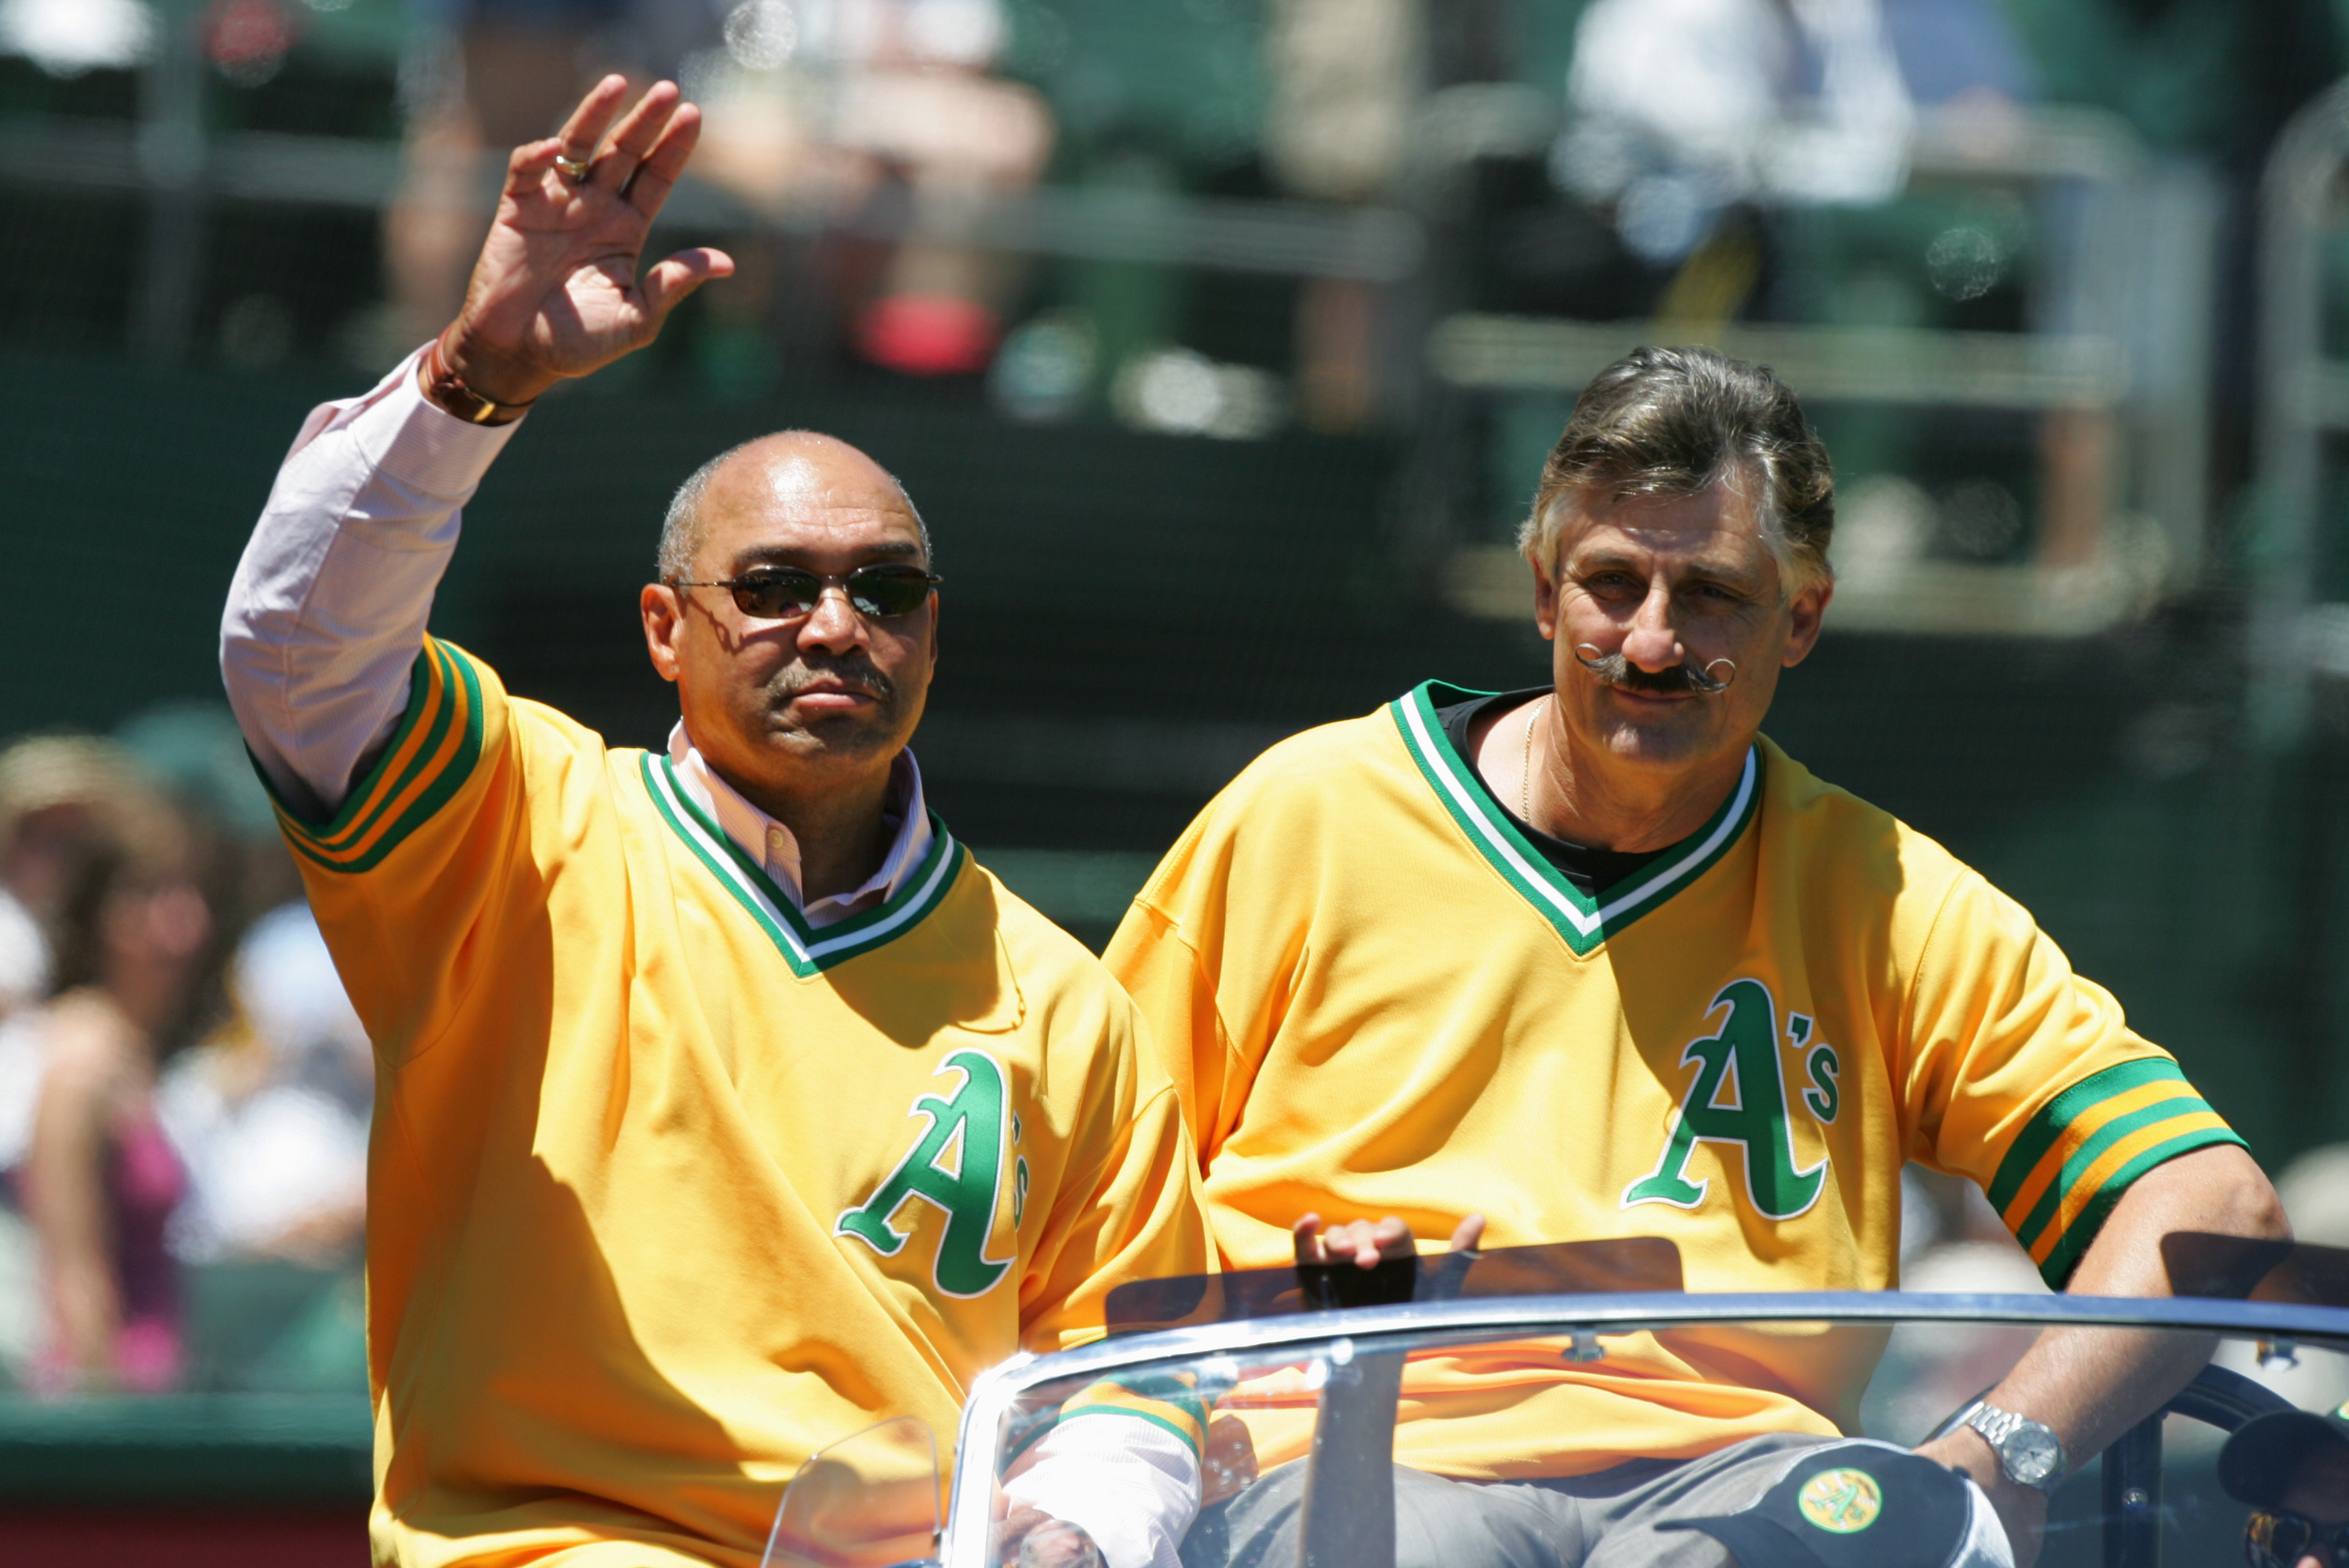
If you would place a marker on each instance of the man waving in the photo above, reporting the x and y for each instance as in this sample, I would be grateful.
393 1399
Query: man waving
725 1105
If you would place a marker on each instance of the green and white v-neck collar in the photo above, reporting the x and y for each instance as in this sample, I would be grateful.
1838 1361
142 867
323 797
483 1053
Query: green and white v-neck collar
1583 920
808 949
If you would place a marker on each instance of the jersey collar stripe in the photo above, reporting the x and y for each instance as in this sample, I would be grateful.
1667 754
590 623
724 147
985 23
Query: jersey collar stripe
889 914
1584 922
809 950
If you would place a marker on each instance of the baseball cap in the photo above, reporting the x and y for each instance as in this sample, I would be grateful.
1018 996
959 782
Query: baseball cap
2256 1463
1861 1505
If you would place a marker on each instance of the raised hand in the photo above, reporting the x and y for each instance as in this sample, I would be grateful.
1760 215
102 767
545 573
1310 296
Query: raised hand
555 293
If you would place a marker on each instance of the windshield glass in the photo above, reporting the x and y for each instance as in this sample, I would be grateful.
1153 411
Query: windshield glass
1533 1442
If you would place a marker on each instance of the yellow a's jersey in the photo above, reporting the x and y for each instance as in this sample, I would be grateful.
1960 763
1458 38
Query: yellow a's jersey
668 1189
1377 997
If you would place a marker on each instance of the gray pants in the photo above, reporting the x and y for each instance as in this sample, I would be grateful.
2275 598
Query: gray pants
1603 1520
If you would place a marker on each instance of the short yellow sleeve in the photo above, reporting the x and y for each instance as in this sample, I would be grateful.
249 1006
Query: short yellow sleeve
2026 1078
417 880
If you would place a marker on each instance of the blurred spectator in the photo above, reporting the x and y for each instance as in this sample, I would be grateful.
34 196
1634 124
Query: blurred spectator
270 1114
1958 52
1345 79
55 793
99 1179
887 105
1686 107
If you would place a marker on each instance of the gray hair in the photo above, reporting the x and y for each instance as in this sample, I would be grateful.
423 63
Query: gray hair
1677 422
681 529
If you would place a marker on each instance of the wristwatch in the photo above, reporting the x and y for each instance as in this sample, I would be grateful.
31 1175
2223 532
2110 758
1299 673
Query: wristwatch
2028 1451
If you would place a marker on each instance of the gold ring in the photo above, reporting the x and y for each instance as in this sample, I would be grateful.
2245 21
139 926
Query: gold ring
574 168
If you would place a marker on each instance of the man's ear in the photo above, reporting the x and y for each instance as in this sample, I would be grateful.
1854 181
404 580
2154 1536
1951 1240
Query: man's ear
1806 614
664 616
1545 601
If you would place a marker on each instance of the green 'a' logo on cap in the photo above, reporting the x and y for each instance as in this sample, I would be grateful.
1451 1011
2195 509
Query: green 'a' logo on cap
1841 1502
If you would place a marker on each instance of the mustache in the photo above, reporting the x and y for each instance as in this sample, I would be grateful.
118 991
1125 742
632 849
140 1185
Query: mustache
858 674
1615 670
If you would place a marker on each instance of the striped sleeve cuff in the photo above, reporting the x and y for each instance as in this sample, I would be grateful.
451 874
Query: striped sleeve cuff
1173 1401
430 754
2083 1148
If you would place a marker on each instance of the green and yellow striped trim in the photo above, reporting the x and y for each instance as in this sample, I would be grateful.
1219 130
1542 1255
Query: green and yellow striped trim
1583 921
809 950
2074 1158
1173 1402
431 753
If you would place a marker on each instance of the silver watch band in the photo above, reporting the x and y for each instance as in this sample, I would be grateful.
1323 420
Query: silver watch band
2042 1462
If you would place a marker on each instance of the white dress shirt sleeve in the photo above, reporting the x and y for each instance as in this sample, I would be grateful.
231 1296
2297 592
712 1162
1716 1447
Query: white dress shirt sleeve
1131 1486
326 612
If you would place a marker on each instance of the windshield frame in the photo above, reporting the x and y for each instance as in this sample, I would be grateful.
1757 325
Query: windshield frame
1415 1325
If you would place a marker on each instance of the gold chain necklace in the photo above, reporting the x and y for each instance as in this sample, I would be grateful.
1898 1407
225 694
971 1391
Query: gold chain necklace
1526 767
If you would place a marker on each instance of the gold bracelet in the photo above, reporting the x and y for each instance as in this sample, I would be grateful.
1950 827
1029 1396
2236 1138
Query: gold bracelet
449 392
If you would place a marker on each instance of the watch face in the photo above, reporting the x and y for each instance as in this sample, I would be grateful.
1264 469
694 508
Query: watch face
2032 1454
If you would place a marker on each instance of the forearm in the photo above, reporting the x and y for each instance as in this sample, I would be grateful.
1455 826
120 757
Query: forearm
2091 1385
66 1201
329 605
88 1314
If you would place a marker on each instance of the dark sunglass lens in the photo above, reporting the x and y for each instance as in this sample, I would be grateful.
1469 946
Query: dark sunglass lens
2279 1539
888 590
773 595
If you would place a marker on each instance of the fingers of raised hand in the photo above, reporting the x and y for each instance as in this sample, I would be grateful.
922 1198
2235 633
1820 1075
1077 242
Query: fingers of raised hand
531 162
665 159
1467 1234
584 132
635 136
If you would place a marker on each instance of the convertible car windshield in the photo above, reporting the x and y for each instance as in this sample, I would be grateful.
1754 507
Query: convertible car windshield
1318 1403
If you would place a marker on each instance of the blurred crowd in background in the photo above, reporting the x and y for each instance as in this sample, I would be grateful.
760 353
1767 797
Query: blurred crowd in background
183 1084
2008 252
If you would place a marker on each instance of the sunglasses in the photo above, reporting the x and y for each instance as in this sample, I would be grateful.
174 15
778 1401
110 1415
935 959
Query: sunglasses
787 593
2281 1539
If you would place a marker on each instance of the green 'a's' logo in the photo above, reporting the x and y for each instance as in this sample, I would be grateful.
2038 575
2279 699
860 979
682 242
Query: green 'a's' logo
1739 1096
969 1128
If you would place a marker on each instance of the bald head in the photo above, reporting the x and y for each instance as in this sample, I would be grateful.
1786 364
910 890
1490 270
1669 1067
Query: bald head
799 470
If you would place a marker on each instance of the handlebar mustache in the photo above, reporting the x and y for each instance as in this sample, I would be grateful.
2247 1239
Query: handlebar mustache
1615 670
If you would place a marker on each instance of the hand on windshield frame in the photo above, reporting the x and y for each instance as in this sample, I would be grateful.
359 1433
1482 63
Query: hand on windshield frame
1370 1241
1030 1538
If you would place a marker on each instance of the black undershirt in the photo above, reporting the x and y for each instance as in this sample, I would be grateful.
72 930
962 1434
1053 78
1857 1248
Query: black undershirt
1588 869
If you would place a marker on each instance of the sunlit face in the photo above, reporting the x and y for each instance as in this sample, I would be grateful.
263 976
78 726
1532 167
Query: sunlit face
1670 582
794 706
